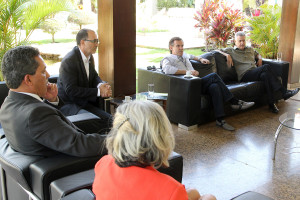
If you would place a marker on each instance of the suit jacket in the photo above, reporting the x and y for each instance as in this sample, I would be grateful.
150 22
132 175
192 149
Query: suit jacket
33 127
73 85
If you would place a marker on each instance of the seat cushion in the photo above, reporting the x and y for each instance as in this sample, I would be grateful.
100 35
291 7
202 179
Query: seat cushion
227 74
205 69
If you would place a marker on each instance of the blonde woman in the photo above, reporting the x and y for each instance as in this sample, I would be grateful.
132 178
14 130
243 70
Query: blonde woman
140 141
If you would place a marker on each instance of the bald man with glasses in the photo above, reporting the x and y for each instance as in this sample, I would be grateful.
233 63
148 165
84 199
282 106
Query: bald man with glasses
79 85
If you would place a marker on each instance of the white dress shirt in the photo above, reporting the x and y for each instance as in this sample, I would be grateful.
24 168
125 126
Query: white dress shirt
39 98
86 62
172 63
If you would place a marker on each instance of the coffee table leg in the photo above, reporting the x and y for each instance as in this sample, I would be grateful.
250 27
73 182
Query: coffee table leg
275 139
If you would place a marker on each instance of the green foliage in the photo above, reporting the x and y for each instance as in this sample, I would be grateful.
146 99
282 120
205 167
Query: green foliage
219 21
19 16
82 17
265 30
52 26
175 3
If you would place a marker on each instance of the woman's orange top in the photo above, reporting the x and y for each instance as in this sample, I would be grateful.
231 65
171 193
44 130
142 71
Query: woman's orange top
134 183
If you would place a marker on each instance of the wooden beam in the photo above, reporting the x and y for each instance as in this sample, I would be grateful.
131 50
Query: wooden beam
117 50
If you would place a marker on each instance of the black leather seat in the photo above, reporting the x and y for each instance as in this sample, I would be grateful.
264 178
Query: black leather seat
69 185
32 175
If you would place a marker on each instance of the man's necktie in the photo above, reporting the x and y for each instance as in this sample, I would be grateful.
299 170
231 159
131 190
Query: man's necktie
180 58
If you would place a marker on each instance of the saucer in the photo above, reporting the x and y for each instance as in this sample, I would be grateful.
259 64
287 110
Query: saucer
126 101
188 76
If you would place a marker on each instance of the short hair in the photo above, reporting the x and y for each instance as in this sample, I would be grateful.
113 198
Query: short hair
82 35
239 33
18 62
173 39
141 135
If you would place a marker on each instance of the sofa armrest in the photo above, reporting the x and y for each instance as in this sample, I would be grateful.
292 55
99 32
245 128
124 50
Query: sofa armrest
161 81
184 100
16 164
280 68
47 170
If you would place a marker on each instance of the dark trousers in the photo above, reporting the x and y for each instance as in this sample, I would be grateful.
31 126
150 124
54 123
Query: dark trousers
214 86
271 82
102 125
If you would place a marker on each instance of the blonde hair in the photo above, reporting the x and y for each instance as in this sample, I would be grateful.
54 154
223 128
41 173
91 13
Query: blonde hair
141 135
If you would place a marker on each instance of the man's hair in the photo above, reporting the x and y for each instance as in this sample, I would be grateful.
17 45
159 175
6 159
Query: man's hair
173 39
82 35
141 135
18 62
240 33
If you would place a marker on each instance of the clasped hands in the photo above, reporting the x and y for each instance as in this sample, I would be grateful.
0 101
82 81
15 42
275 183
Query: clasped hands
105 90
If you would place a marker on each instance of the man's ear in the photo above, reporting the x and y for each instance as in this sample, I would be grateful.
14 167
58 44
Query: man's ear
27 79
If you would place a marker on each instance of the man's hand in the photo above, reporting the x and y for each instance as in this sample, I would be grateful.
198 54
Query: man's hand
259 62
51 94
105 90
229 61
204 61
194 72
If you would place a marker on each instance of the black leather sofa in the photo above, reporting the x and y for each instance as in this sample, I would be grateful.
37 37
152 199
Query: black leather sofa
57 177
188 107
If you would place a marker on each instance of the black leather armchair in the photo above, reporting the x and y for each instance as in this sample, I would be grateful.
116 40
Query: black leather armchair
54 177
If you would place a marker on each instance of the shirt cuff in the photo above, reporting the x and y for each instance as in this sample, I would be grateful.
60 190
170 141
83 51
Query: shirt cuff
98 86
55 103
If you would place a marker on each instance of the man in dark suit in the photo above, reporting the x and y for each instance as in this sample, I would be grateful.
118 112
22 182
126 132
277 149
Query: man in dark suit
33 126
79 85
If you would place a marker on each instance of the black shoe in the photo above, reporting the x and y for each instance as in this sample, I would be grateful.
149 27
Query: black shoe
273 108
290 93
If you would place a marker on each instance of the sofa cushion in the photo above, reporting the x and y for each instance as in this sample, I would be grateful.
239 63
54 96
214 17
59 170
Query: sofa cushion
205 69
227 74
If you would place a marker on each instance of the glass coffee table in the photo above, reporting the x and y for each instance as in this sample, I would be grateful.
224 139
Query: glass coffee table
156 97
290 120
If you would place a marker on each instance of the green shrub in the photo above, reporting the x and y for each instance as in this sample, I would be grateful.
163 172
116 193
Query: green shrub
265 30
175 3
82 17
52 26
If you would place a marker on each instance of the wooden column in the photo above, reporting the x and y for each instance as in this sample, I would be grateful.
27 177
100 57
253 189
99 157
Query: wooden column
289 42
117 50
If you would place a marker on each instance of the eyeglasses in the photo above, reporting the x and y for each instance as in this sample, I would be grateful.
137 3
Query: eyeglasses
95 41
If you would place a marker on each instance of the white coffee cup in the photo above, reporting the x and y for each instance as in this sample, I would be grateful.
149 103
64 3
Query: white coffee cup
128 98
188 73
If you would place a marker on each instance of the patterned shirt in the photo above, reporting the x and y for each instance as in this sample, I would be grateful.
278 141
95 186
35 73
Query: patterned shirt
243 60
171 63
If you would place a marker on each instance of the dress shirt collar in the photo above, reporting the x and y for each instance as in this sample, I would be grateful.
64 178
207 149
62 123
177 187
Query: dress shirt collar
33 95
84 58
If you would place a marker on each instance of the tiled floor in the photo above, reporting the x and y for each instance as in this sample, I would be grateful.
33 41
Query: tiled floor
229 163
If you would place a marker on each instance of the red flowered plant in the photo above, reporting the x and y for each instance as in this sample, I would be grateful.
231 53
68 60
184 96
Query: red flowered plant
219 21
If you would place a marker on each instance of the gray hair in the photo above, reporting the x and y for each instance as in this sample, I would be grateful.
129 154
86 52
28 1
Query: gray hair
82 35
171 42
141 135
240 33
18 62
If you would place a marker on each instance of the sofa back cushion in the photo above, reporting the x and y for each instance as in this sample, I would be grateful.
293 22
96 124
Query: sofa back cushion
205 69
227 74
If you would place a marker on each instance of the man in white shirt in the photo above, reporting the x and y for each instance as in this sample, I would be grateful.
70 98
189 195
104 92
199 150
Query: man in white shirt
179 63
79 85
